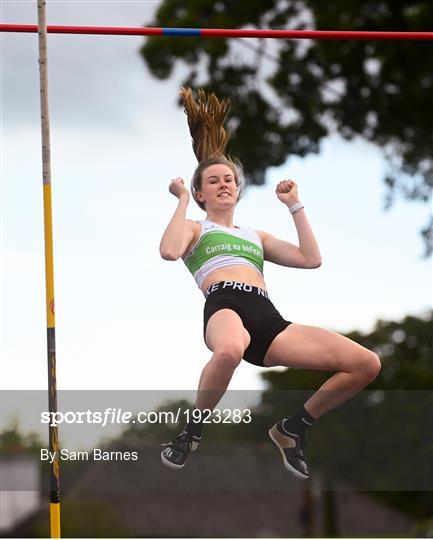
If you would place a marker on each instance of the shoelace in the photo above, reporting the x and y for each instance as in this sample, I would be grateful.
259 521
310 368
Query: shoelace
184 437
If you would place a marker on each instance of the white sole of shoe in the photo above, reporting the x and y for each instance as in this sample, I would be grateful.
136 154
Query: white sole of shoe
286 463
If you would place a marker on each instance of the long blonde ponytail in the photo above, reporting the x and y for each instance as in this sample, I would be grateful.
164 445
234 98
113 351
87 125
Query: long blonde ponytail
206 117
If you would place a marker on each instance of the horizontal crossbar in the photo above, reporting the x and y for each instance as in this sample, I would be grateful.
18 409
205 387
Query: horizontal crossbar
219 32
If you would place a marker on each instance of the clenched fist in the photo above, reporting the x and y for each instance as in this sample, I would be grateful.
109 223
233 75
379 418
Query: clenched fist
177 188
287 192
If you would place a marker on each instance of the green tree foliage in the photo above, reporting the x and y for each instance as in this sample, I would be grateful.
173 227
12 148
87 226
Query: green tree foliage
14 441
284 102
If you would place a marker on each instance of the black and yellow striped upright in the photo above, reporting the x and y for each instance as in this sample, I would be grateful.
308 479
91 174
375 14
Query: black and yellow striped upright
49 273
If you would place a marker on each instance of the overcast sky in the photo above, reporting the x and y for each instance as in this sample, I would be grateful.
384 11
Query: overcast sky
125 318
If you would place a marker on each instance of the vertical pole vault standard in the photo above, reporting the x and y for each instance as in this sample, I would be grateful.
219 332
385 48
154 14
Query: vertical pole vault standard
49 274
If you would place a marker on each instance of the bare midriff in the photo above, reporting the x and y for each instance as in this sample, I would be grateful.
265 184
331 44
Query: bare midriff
240 273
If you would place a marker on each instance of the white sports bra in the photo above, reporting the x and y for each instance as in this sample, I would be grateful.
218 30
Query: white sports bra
219 246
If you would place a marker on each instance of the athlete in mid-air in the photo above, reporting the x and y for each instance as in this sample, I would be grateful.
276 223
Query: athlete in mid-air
240 321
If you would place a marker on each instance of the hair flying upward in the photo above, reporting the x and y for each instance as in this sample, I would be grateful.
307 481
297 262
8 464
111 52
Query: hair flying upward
206 118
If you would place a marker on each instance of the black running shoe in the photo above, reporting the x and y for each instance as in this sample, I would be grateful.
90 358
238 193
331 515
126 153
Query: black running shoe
292 448
176 451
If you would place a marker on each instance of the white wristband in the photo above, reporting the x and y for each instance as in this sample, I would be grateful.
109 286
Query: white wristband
295 207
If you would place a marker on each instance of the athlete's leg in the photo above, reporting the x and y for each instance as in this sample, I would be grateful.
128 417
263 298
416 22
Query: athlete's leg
309 347
227 338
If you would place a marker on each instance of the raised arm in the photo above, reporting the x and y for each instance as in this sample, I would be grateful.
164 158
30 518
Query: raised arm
180 231
307 254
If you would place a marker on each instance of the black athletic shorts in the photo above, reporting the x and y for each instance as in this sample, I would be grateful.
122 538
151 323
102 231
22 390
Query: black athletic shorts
256 311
